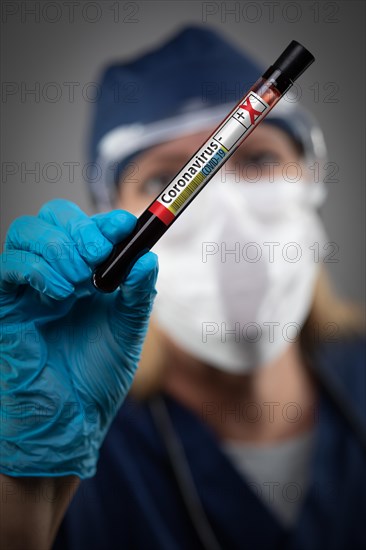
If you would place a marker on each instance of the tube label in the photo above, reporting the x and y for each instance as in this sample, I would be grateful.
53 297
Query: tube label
205 163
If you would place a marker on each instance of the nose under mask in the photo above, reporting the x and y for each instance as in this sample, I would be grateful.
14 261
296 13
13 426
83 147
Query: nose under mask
238 269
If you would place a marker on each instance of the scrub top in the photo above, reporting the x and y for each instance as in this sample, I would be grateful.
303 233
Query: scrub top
134 500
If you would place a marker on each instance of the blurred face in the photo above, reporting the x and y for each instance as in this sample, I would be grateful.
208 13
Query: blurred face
267 153
217 292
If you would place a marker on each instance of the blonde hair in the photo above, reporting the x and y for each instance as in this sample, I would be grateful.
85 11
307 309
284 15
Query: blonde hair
331 319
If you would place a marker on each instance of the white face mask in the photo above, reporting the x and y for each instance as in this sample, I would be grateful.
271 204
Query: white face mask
237 271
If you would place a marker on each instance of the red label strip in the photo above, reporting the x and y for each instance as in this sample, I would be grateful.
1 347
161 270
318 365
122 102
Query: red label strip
165 215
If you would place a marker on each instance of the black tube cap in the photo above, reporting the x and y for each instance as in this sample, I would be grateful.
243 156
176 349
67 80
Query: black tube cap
294 60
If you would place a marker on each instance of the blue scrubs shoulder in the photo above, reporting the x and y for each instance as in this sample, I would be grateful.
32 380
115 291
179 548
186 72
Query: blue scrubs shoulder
133 502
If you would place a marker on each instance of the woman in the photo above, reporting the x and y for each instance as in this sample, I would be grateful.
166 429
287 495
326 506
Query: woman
245 428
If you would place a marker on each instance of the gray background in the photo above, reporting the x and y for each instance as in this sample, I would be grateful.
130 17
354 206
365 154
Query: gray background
57 46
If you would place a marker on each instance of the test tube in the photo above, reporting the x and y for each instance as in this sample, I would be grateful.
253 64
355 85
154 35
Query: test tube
202 166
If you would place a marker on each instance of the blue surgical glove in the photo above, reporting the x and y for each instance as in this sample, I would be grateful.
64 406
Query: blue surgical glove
68 352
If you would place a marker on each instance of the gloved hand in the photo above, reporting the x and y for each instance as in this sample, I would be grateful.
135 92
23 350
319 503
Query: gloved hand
68 352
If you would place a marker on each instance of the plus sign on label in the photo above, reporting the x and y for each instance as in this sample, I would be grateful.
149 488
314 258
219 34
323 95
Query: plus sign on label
244 118
238 115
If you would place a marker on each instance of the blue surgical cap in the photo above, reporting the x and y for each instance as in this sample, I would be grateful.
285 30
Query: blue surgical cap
187 84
